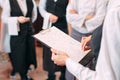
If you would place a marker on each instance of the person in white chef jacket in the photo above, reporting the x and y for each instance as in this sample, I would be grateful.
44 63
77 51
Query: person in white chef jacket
108 65
85 16
18 15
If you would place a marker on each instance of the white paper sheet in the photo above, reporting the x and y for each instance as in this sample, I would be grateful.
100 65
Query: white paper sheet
13 26
55 38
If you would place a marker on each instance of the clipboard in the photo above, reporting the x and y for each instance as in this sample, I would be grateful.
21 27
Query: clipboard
57 39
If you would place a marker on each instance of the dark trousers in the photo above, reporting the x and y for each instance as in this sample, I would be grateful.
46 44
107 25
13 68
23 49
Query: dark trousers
49 65
22 53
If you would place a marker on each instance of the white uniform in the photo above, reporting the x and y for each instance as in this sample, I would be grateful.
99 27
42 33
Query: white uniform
84 8
108 64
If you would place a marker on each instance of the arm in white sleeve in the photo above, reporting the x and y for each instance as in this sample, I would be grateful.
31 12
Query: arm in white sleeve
79 71
44 14
34 15
12 22
99 16
42 10
76 20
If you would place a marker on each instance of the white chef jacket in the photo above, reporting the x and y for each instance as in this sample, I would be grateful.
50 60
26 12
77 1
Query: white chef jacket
108 64
84 8
10 24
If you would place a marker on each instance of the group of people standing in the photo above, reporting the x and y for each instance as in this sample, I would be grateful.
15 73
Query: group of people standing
86 19
18 16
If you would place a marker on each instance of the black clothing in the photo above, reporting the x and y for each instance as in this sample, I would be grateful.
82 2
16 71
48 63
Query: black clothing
96 41
91 58
22 46
59 9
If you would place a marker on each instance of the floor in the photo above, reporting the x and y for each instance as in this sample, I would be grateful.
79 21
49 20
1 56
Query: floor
39 73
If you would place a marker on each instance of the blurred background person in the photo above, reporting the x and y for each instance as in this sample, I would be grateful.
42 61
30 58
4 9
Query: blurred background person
85 17
54 14
19 15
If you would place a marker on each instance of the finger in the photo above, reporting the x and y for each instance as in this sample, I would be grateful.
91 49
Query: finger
53 57
87 48
84 45
26 19
53 50
55 62
82 38
82 42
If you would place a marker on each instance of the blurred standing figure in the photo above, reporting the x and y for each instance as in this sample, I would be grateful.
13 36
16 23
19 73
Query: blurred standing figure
19 15
85 16
54 13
